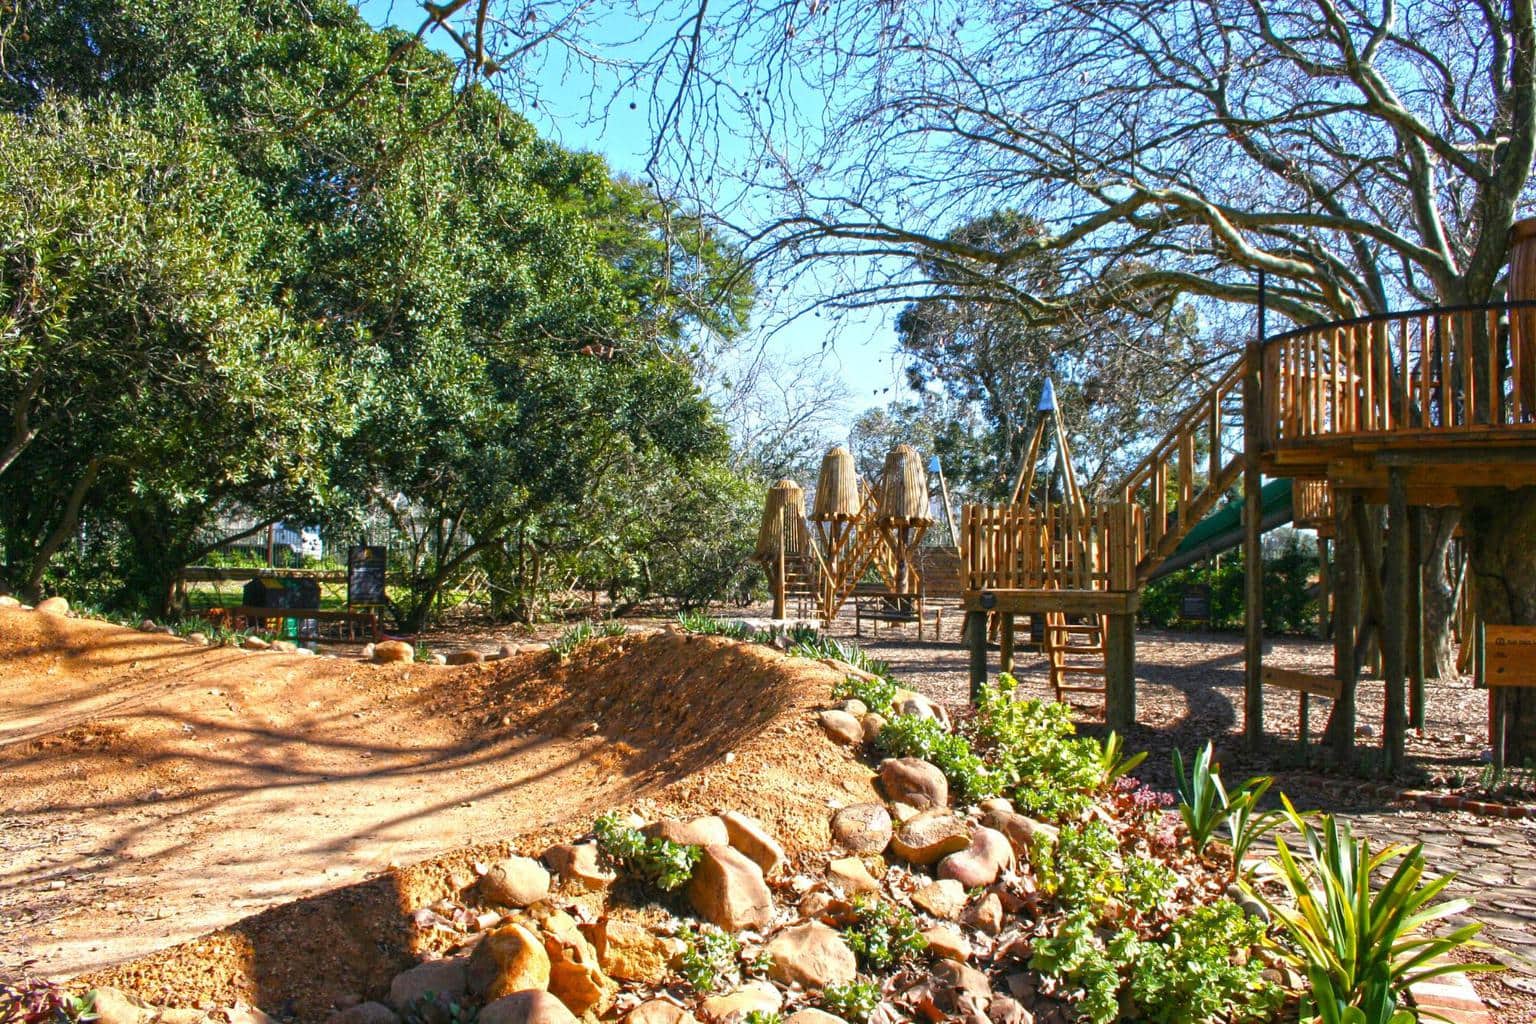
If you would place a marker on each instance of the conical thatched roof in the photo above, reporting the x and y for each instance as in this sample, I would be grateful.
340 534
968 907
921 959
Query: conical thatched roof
837 489
783 520
904 486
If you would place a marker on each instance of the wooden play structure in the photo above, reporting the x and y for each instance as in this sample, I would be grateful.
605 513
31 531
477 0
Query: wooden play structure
1399 410
855 528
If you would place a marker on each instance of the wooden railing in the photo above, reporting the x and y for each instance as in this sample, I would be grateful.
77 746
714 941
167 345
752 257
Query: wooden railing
1191 466
1312 504
1437 370
1019 547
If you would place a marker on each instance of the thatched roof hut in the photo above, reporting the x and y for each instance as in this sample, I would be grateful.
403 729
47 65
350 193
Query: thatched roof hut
783 522
904 487
837 489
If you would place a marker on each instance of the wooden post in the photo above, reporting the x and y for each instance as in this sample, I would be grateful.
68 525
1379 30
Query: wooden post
780 602
1005 642
1394 631
1416 617
1324 590
1120 671
976 636
1346 608
1253 567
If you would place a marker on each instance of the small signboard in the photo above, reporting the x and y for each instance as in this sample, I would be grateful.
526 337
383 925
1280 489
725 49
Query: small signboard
1509 655
365 574
1195 602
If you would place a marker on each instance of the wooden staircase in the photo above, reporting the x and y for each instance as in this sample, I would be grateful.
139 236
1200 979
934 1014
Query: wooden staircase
1075 652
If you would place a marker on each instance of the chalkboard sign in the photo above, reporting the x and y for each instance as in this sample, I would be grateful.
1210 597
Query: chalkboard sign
365 574
1195 602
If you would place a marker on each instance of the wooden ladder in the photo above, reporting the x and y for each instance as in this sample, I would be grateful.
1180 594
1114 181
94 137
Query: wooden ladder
1076 654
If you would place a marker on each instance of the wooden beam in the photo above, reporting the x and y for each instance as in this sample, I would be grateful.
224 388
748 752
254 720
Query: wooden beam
1067 602
1303 682
1415 639
1253 568
1120 671
1346 607
976 638
1394 632
1005 642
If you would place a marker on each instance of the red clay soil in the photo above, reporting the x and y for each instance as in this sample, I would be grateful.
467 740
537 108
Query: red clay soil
155 791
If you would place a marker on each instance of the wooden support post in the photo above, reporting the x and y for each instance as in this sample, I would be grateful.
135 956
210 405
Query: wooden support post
1324 591
1253 567
1346 611
780 602
976 637
1416 617
1394 631
1005 642
1302 714
1120 671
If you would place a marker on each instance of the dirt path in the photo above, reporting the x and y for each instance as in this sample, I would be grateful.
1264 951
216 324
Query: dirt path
155 790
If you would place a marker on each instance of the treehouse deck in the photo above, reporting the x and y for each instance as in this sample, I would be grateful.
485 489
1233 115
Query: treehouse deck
1404 410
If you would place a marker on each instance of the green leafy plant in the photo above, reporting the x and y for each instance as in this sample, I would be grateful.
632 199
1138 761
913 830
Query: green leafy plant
883 934
1035 755
1083 870
1148 884
436 1008
1078 956
584 632
915 736
853 1001
878 694
1362 947
1245 822
1114 762
763 1017
35 1001
1202 970
1202 800
709 959
659 863
822 646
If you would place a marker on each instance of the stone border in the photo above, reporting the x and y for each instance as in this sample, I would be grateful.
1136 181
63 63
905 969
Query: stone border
1422 798
1451 997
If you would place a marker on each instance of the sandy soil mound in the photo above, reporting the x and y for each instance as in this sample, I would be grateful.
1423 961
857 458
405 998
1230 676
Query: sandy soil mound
155 791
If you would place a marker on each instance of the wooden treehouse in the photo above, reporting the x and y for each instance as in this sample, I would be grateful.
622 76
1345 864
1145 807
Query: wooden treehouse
1403 410
855 530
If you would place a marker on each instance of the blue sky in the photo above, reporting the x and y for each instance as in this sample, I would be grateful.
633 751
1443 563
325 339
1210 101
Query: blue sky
860 350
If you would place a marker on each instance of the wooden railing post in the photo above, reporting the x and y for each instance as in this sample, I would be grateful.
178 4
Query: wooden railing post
1253 569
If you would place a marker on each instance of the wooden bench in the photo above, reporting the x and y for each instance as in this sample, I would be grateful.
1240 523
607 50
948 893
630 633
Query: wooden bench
1306 685
881 605
255 614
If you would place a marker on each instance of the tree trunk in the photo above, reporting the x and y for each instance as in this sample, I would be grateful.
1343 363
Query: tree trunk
1501 543
1439 594
61 532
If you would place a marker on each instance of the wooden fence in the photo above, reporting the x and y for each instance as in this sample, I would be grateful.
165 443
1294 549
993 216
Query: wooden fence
1021 547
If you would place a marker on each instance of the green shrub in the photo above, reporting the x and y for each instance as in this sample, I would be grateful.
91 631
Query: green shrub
1079 957
659 863
1037 759
853 1001
1202 970
914 736
878 694
883 934
763 1017
708 962
823 646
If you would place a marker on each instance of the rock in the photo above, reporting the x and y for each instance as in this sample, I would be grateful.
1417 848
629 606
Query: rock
985 915
842 727
464 658
1025 834
629 951
578 865
908 702
509 650
53 606
574 975
181 1015
812 956
1008 1010
509 959
364 1013
854 707
728 890
515 882
366 653
901 812
852 875
955 978
943 899
283 647
709 830
872 723
660 1011
947 942
930 836
196 637
996 805
527 1007
1363 732
811 1015
911 780
754 995
7 601
446 979
981 862
748 835
254 643
393 650
114 1006
438 659
862 828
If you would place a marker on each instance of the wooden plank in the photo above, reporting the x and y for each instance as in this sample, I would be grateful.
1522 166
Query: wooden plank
1067 602
1509 655
1302 682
